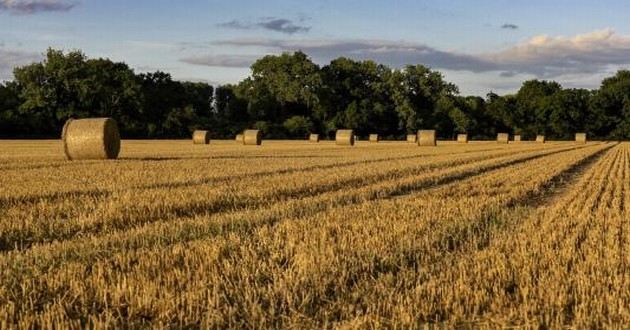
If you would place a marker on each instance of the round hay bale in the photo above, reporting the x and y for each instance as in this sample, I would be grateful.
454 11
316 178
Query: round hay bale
412 138
427 138
345 137
239 138
517 138
374 138
91 138
503 138
580 138
540 139
462 138
252 137
314 138
201 137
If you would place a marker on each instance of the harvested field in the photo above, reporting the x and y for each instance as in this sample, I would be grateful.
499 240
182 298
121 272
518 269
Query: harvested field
313 235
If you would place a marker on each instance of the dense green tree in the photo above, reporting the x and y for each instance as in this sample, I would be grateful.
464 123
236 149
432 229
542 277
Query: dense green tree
610 108
422 98
289 96
12 123
569 113
298 126
69 85
282 86
356 95
534 102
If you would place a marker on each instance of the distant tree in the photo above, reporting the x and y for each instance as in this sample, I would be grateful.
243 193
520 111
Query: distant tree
356 95
12 123
533 106
69 85
281 86
416 92
230 111
298 126
610 108
569 113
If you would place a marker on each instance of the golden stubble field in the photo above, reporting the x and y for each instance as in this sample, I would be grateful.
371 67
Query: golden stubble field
302 235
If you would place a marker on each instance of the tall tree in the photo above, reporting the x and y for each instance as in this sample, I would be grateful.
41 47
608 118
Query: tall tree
356 95
417 90
610 108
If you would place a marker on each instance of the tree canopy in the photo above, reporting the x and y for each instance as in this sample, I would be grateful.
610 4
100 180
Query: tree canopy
289 96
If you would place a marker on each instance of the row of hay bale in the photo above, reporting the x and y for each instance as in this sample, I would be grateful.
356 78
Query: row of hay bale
99 138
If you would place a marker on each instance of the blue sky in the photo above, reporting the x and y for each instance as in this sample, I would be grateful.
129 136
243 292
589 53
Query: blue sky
479 45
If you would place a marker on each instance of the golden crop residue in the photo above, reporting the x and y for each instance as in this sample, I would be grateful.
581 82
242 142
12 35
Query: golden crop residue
298 234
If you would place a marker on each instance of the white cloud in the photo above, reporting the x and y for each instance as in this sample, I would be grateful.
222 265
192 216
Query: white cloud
546 56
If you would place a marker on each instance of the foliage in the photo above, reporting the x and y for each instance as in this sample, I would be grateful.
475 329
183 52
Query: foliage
290 96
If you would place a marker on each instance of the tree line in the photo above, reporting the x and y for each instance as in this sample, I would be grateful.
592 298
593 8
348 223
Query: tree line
289 96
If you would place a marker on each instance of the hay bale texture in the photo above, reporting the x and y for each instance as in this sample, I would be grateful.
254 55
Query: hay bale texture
503 138
517 138
412 138
92 138
201 137
540 139
580 138
374 138
239 138
252 137
344 137
427 138
462 138
313 138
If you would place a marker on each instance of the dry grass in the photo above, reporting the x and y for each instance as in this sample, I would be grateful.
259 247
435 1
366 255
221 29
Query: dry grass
303 235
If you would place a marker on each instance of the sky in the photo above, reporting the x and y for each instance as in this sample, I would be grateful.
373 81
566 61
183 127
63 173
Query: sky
481 45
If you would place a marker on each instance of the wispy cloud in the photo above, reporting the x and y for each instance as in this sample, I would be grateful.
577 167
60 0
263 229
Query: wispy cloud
541 56
9 59
227 61
509 26
282 25
26 7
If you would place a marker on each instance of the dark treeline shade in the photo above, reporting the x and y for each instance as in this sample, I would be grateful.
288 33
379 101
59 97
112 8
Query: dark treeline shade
289 96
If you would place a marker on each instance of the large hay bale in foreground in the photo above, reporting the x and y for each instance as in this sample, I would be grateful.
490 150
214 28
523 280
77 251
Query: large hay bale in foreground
344 137
517 138
92 138
314 138
374 138
239 138
503 138
427 138
412 138
252 137
201 137
540 139
462 138
580 138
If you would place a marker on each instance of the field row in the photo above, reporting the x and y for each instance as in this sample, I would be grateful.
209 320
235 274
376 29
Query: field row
29 221
401 242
